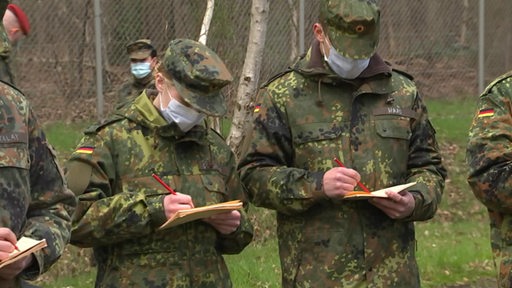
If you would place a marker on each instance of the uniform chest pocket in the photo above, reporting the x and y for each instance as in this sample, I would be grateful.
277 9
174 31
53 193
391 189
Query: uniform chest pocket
392 144
216 187
393 127
14 155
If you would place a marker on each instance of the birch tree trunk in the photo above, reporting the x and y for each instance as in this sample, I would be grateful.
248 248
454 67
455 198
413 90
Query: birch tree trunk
250 73
203 36
207 19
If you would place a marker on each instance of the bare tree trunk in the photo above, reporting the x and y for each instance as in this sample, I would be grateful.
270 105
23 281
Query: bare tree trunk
203 36
250 72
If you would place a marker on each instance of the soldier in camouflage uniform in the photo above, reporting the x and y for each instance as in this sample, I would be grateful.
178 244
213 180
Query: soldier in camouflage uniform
121 205
34 200
488 156
342 100
143 59
15 27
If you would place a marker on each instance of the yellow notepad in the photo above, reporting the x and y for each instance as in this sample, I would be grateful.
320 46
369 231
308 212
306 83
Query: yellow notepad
27 246
187 215
361 195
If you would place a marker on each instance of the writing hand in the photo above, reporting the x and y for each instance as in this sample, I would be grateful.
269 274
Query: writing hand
7 243
175 202
340 180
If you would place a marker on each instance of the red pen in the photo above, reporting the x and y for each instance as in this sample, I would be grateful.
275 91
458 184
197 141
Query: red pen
163 184
16 247
358 183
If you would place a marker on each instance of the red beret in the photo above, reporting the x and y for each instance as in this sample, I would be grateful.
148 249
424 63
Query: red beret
22 17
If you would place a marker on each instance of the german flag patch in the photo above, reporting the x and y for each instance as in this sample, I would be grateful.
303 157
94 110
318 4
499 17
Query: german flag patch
85 150
257 108
488 112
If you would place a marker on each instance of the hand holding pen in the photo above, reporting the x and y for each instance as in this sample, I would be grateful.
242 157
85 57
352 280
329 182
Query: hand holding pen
358 182
339 181
174 201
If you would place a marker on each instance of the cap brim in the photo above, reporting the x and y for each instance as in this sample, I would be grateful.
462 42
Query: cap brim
212 104
140 55
353 47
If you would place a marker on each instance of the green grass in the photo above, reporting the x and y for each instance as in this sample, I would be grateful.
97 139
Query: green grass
64 136
453 253
257 266
452 118
453 249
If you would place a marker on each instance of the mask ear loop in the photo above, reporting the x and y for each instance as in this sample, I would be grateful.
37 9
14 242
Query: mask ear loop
323 45
166 85
160 98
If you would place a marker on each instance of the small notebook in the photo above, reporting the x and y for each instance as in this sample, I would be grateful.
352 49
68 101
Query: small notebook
187 215
361 195
27 246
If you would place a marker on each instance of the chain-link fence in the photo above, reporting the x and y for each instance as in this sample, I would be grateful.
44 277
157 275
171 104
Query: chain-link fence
435 41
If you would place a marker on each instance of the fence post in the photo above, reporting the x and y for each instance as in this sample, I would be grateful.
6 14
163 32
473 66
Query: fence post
301 27
99 67
481 46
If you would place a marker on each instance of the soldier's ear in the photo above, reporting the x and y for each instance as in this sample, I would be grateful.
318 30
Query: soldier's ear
159 81
319 33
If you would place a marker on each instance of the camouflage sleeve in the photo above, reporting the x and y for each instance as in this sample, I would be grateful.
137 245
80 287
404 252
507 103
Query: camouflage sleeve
267 160
51 204
424 166
489 149
235 242
104 217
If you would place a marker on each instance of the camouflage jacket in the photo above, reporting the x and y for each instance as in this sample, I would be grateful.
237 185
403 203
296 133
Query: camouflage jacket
34 200
121 205
488 155
376 125
133 88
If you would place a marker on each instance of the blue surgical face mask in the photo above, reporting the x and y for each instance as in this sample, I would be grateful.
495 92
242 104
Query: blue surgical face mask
185 117
345 67
140 69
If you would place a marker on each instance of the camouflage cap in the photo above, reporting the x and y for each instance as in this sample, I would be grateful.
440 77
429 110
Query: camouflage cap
198 74
140 49
352 26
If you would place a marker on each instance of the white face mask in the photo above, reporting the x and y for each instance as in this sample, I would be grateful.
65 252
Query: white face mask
140 69
345 67
185 117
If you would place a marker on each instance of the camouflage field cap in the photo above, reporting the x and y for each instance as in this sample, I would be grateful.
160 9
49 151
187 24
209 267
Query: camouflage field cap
140 49
352 26
198 74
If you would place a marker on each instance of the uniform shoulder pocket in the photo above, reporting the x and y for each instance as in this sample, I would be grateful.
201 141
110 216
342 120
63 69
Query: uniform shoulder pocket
14 155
